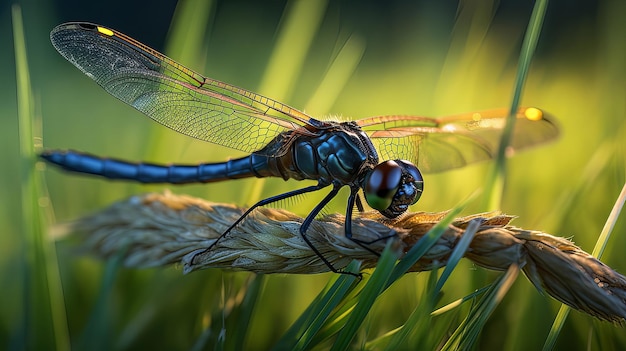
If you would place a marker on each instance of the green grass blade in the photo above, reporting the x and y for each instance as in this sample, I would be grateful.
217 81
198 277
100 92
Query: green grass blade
567 203
455 304
466 334
420 317
416 326
458 253
338 318
605 235
556 328
303 331
495 188
416 252
373 288
334 298
301 21
98 331
338 74
243 315
187 37
45 322
426 242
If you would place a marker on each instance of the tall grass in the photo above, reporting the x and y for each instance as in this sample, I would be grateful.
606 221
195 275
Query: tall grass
43 319
359 60
495 182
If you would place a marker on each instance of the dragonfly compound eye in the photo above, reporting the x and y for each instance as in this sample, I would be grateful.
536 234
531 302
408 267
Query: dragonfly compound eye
393 186
414 179
381 184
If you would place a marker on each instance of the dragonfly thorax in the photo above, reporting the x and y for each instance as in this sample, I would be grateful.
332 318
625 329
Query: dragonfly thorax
329 152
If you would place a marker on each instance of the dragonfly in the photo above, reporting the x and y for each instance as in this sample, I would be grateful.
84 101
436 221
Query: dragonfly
280 141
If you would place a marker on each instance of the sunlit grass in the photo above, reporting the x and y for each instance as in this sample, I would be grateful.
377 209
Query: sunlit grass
43 320
567 187
495 180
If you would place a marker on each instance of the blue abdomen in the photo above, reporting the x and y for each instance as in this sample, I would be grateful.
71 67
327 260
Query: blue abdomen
250 166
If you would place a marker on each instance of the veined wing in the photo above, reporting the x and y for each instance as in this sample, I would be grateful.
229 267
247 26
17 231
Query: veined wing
439 144
172 94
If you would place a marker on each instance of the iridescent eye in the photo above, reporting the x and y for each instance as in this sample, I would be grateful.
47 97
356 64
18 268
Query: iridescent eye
418 180
381 184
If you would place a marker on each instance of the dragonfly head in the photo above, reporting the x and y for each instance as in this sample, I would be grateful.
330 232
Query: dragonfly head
392 186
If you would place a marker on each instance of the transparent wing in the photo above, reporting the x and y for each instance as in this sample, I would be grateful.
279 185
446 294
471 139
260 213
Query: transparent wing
172 94
439 144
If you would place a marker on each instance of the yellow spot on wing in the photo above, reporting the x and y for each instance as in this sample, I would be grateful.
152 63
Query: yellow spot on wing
105 31
533 114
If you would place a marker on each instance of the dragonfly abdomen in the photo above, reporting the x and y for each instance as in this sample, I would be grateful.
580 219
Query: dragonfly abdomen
249 166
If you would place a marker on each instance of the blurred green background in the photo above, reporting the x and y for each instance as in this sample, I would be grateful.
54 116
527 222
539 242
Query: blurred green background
352 59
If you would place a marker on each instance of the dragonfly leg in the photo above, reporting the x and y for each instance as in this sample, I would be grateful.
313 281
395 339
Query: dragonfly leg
359 203
307 222
354 196
303 227
263 202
